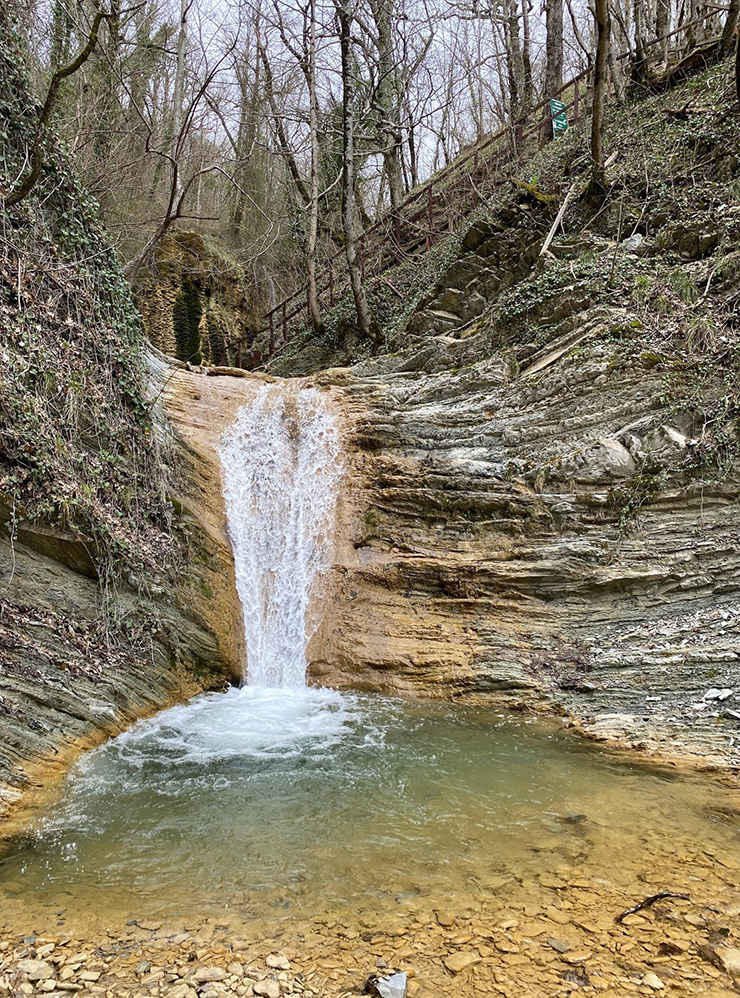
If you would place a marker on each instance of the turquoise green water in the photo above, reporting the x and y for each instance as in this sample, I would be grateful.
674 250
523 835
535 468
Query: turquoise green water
269 802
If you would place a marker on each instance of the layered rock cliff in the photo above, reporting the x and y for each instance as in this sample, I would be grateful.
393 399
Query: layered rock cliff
550 458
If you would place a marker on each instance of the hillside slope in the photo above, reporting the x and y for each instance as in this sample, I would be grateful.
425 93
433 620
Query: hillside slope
551 452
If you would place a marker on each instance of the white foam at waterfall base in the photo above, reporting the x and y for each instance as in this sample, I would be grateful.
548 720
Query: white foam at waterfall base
281 471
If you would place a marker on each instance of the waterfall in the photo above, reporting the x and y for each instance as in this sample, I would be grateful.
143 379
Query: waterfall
281 471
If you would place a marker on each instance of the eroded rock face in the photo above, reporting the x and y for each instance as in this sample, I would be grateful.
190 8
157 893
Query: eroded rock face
499 544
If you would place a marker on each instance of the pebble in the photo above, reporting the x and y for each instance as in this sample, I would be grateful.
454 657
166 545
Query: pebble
35 970
267 988
276 961
729 959
204 975
653 981
579 956
392 987
181 990
457 962
546 880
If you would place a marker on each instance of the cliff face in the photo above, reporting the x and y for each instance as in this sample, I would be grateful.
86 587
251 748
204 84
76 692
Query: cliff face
493 550
195 301
106 558
548 465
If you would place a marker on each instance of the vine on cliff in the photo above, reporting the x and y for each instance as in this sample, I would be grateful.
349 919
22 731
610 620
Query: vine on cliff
78 446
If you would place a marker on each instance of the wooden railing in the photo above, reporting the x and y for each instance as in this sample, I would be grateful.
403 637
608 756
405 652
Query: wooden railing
427 213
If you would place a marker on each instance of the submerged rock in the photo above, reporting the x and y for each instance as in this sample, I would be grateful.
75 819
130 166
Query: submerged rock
457 962
276 961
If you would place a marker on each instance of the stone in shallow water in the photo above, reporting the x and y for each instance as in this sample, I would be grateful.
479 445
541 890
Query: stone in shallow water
457 962
276 961
267 989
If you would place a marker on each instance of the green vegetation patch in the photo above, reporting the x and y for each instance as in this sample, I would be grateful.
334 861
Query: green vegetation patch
78 445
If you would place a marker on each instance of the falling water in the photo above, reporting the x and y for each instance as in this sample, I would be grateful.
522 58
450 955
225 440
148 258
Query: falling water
281 471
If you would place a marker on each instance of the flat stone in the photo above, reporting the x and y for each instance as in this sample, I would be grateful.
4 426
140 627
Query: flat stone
204 975
579 956
546 880
653 981
729 959
267 988
276 961
457 962
559 945
35 970
181 990
445 918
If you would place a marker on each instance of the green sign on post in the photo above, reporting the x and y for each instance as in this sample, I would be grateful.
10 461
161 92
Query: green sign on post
559 117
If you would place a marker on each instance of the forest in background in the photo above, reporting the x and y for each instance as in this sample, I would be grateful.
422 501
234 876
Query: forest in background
281 130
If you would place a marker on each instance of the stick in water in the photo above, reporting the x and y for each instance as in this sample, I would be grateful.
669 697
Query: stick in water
651 901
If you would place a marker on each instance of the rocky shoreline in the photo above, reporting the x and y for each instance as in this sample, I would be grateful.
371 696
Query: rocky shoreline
556 934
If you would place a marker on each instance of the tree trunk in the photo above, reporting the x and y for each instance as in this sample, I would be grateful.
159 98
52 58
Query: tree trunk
349 207
388 101
179 91
313 212
554 57
730 29
26 183
514 60
515 72
603 25
663 26
639 66
527 86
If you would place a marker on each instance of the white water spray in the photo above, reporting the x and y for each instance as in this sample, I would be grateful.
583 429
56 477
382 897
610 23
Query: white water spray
281 471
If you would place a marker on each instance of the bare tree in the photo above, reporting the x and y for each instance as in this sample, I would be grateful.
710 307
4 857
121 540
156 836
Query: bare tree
603 27
553 54
30 178
730 29
365 320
